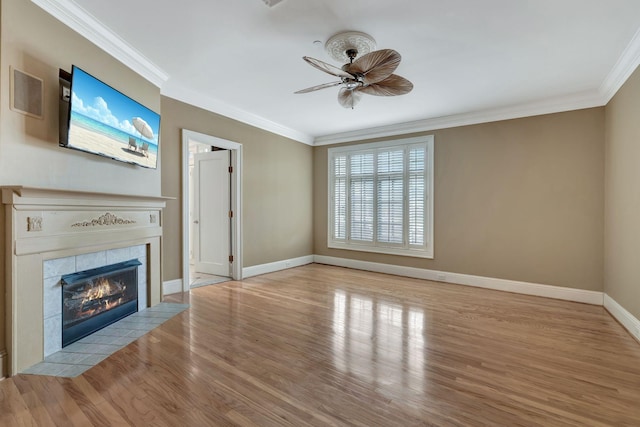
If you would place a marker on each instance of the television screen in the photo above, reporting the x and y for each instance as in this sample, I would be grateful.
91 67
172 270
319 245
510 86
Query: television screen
106 122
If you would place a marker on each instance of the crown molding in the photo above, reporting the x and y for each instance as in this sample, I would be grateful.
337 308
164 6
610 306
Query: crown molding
622 70
218 107
68 12
548 106
627 63
76 18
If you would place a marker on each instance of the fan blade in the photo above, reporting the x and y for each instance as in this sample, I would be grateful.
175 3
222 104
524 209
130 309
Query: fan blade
377 65
348 98
327 68
391 86
318 87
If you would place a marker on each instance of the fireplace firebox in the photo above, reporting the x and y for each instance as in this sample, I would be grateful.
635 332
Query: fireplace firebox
95 298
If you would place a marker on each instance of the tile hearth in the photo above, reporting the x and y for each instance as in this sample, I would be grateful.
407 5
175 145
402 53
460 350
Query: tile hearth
54 269
82 355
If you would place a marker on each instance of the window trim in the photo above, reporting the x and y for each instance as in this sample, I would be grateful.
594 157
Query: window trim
425 252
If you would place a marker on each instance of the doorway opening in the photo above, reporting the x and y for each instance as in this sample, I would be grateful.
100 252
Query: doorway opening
211 188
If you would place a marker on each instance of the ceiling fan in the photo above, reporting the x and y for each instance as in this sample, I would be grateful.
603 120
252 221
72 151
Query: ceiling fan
371 73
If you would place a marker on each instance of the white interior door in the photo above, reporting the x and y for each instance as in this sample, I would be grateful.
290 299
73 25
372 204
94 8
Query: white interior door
211 221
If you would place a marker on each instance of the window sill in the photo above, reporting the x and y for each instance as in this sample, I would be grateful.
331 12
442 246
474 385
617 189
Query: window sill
416 253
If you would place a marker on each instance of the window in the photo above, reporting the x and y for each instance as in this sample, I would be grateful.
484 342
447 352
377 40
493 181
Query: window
381 197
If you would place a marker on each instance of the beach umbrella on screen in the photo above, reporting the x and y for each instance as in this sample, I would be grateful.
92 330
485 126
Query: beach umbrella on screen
143 127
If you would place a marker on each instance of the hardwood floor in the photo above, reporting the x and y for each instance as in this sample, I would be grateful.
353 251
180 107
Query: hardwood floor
320 345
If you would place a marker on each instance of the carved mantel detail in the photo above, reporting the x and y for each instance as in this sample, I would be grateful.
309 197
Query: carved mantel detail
34 223
106 219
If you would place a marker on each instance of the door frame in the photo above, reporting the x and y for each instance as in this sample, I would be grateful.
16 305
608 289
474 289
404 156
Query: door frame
236 200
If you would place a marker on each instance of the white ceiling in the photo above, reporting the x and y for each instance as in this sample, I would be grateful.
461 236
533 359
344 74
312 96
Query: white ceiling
469 60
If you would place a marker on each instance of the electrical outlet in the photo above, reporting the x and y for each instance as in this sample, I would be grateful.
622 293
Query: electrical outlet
66 93
441 277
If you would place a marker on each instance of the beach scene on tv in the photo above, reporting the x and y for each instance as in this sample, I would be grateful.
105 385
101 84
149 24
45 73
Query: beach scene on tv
106 122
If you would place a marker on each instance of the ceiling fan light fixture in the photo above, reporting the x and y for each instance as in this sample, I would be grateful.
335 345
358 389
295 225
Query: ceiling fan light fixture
352 84
371 73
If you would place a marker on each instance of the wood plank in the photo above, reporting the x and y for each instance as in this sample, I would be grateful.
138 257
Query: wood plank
13 409
321 345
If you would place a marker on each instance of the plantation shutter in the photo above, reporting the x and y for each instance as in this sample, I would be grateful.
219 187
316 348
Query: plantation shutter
390 196
340 197
361 196
416 195
378 198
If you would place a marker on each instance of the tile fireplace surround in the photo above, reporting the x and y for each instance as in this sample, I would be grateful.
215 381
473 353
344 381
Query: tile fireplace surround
39 226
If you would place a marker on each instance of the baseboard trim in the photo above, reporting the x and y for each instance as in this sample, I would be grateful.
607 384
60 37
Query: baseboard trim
271 267
526 288
626 319
3 364
171 287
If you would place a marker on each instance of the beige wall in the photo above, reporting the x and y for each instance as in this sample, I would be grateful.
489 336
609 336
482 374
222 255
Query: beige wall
622 197
518 199
35 42
276 185
3 357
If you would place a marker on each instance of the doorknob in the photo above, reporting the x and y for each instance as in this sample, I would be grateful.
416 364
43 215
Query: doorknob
196 222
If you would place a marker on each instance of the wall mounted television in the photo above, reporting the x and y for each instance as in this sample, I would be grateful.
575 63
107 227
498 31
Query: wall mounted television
98 119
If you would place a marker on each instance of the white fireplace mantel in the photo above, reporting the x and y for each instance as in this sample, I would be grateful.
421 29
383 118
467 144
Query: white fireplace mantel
39 224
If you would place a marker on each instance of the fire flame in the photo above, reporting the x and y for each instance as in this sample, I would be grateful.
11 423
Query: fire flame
100 297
